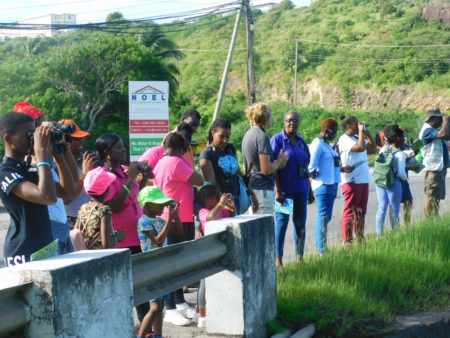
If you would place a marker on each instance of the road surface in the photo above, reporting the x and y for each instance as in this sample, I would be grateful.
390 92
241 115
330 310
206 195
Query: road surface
334 235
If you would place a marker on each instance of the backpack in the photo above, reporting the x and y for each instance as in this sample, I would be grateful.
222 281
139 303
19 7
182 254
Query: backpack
383 174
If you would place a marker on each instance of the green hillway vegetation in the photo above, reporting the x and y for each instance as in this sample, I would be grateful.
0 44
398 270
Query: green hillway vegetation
83 75
358 22
359 291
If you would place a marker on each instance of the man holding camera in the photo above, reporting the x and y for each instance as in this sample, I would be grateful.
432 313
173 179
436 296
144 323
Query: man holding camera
435 158
64 171
26 191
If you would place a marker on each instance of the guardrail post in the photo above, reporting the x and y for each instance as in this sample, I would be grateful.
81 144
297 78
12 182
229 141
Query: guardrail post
82 294
242 299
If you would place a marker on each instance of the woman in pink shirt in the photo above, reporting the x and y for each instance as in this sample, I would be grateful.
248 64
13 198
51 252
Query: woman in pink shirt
176 178
122 198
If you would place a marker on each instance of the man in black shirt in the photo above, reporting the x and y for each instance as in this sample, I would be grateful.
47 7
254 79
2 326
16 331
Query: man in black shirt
24 193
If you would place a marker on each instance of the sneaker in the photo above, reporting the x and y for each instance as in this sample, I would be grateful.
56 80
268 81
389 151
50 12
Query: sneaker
201 322
176 318
186 310
196 317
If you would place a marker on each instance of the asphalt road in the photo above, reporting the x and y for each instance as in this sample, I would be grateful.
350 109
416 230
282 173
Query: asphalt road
334 235
334 229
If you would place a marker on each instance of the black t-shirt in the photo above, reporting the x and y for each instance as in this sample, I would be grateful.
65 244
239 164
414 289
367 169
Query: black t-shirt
29 228
225 167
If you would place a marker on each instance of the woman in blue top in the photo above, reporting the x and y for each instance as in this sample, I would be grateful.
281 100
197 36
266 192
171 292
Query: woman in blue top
291 182
326 175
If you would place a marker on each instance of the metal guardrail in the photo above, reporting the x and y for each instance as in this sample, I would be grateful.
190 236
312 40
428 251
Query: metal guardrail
14 313
154 273
158 272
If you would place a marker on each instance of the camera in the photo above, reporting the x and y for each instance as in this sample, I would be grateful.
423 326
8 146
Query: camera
303 171
99 162
144 168
65 128
173 203
336 160
56 136
366 125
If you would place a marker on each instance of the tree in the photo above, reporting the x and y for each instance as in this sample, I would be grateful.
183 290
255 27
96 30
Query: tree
95 67
114 16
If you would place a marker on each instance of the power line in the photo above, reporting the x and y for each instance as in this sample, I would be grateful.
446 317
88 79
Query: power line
370 46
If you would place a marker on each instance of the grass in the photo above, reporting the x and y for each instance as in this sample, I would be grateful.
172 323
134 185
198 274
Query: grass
359 291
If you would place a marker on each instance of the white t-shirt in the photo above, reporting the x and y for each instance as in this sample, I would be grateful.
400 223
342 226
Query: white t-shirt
56 211
351 158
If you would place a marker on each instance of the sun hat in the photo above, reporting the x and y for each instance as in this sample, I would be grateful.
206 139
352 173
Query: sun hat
78 132
26 108
152 194
433 113
98 180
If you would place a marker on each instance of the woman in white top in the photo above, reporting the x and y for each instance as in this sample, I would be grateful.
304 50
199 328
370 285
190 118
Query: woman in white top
394 139
354 146
325 173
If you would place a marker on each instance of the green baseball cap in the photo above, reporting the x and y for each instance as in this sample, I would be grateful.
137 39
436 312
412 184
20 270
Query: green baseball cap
152 194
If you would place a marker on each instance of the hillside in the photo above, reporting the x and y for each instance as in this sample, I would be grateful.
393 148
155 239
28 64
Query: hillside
343 59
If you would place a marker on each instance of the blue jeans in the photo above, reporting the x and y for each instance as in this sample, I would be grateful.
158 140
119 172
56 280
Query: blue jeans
325 196
388 196
299 217
61 231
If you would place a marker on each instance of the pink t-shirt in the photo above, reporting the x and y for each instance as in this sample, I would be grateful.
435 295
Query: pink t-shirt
152 156
127 217
224 213
171 175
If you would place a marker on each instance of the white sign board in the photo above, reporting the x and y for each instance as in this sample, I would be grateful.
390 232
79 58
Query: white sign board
149 115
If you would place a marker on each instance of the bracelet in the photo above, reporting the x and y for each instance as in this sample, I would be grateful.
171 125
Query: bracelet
82 176
221 205
126 188
43 163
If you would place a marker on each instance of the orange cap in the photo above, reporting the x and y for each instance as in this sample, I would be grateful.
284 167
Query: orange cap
78 132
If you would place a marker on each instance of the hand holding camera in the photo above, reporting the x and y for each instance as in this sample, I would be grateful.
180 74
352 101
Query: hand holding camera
145 169
224 198
41 143
174 208
59 135
90 161
363 126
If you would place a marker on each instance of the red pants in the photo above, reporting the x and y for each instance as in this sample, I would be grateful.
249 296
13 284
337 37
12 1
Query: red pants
356 196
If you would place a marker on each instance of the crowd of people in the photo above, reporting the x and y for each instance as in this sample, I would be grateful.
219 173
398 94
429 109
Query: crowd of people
54 190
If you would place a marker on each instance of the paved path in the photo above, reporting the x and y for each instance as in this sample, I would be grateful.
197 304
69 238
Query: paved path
334 235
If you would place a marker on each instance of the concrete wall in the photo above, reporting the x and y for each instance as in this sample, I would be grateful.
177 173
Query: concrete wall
83 294
242 299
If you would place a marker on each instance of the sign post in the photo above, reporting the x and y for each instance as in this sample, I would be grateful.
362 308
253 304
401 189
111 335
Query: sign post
148 115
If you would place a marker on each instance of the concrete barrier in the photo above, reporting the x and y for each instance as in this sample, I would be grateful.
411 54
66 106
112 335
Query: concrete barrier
92 293
242 299
83 294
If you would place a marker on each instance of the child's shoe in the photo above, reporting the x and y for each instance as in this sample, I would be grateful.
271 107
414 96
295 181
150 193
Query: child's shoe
186 310
176 318
201 322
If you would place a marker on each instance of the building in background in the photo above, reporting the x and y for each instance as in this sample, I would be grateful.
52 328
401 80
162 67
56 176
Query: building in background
43 26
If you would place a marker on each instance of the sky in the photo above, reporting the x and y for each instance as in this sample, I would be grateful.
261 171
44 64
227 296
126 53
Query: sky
97 10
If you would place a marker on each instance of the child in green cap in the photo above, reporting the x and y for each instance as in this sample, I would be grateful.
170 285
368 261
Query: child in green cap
152 234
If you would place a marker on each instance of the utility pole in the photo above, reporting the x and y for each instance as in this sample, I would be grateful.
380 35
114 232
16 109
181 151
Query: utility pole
251 78
223 84
296 60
